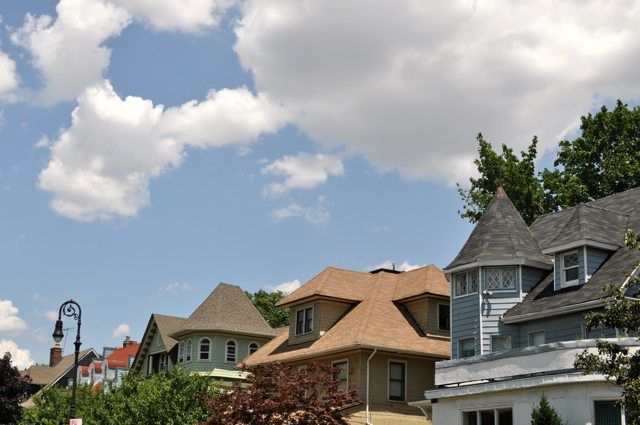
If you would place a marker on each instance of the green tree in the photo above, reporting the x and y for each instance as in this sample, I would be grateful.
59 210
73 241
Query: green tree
265 302
614 360
545 414
517 176
13 388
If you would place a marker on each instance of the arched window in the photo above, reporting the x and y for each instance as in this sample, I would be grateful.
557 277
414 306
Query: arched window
231 351
253 347
181 352
189 350
205 349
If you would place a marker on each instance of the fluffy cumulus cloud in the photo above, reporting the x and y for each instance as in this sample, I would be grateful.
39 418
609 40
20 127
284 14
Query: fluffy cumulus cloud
10 321
121 330
409 84
303 171
9 80
101 165
285 287
20 358
405 266
315 214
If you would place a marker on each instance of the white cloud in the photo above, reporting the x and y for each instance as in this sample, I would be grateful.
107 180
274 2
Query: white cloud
405 266
9 80
101 166
69 51
10 321
51 315
316 214
286 287
409 84
20 358
303 171
122 329
177 287
38 335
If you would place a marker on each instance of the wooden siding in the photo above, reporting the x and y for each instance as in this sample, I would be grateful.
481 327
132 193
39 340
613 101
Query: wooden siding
418 310
561 328
465 321
531 277
492 310
595 258
325 315
432 317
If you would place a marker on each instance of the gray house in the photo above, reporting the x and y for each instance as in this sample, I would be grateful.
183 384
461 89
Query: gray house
519 296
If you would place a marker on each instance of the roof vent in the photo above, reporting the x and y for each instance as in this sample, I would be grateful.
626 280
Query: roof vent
385 270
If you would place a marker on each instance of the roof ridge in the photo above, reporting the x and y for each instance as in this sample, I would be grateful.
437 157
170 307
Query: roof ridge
564 225
589 205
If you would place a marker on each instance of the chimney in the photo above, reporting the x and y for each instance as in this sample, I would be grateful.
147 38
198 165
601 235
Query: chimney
127 342
55 355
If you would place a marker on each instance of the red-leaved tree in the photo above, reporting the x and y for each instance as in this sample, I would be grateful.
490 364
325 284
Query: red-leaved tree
278 394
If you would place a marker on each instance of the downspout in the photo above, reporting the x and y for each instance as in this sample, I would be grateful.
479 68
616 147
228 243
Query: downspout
368 414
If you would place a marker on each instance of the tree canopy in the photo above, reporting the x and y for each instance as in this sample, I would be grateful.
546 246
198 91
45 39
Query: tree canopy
601 161
265 302
13 388
545 414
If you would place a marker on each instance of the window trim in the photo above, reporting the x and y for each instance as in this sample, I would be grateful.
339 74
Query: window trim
460 340
455 285
448 305
563 282
500 336
477 410
200 349
605 398
529 334
304 320
346 360
181 352
188 352
226 351
404 390
249 347
501 269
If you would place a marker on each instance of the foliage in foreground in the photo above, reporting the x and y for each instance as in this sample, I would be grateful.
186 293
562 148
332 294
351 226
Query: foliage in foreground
265 302
613 360
13 387
280 395
175 398
545 414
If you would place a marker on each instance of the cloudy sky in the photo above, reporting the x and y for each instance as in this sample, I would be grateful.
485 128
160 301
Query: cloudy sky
150 149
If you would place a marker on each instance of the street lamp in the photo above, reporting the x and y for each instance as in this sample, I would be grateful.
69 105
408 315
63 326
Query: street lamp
70 309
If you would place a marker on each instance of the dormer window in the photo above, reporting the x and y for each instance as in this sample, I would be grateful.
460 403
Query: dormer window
569 269
304 320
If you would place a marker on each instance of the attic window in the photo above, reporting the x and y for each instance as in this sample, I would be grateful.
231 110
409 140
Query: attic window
466 282
570 269
304 320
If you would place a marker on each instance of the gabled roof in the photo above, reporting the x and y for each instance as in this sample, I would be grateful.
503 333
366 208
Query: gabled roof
500 235
226 309
373 321
120 357
44 375
165 325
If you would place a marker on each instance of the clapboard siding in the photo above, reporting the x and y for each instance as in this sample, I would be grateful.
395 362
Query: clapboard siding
560 328
492 310
595 258
465 321
531 277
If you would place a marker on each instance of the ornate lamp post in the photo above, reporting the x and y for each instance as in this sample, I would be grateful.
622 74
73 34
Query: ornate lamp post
70 309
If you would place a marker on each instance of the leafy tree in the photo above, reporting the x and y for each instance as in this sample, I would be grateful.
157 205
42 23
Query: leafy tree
601 161
615 361
545 414
517 176
265 302
13 388
277 395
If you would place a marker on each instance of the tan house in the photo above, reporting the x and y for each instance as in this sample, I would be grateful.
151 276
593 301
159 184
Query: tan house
384 330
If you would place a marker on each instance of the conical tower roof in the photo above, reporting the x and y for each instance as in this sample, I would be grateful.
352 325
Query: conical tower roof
501 235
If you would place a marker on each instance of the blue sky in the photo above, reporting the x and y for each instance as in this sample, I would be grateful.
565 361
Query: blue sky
311 141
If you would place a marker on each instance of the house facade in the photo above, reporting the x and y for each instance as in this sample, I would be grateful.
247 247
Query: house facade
519 297
225 329
111 368
382 330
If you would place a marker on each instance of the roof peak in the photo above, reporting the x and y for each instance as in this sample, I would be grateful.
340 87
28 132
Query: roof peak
501 193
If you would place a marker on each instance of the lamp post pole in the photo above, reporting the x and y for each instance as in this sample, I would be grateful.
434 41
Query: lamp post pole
70 309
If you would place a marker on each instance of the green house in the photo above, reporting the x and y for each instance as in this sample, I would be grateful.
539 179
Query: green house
225 329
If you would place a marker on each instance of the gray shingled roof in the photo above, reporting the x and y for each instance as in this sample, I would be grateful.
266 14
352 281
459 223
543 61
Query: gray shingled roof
226 309
500 235
166 326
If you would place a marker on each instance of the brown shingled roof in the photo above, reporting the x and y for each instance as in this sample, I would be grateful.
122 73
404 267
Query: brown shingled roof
44 375
375 321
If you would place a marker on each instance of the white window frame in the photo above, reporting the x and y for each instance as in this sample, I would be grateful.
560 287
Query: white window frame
249 347
563 282
188 351
468 273
406 374
200 349
181 352
333 363
501 336
593 408
448 305
479 409
530 334
226 351
501 270
459 342
304 320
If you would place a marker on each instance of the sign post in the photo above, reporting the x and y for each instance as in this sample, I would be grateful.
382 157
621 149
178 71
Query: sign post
75 421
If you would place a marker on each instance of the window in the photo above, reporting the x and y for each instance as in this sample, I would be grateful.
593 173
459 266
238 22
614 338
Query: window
205 349
570 269
397 380
189 351
500 278
466 348
253 347
536 338
500 343
502 416
607 412
342 374
181 352
304 320
231 351
466 282
443 317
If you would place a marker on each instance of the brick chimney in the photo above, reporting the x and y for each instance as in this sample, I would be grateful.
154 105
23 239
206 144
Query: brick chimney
127 342
55 355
